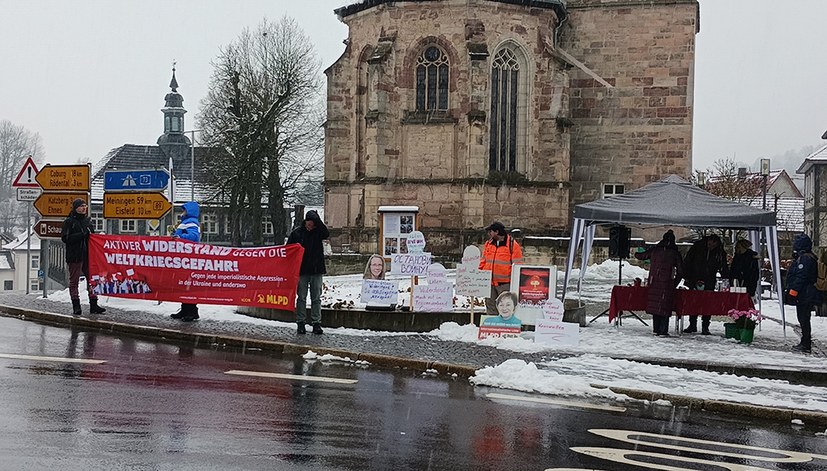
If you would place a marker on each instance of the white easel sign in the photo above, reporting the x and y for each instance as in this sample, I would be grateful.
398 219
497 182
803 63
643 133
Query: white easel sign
550 332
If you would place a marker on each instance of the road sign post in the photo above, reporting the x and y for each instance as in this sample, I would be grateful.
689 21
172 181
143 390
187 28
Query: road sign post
65 177
57 205
136 180
135 205
48 229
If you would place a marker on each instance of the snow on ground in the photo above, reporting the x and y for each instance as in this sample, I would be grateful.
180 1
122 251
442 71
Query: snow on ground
591 366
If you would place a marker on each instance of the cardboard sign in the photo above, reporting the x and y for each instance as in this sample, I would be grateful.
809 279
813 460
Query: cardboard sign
550 332
437 273
379 292
553 310
534 286
471 281
412 264
471 256
438 297
497 332
416 242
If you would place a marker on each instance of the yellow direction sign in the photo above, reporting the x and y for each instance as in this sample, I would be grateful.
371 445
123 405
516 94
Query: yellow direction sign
135 205
64 177
57 205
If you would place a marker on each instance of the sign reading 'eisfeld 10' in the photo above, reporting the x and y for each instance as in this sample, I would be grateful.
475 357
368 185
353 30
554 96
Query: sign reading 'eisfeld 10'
135 205
64 177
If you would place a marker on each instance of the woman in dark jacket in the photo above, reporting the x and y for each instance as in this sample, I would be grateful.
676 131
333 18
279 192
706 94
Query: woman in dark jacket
801 279
744 266
665 271
75 234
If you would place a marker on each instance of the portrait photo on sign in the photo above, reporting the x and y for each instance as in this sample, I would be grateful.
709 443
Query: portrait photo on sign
390 246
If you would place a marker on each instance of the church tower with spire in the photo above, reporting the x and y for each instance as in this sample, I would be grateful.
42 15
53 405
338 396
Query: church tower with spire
174 143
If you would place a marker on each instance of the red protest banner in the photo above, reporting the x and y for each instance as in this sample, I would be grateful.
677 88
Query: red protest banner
167 269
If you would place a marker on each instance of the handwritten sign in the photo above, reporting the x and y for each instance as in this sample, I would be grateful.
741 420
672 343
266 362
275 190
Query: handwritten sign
556 333
437 273
416 242
471 256
553 310
436 297
379 292
471 281
412 264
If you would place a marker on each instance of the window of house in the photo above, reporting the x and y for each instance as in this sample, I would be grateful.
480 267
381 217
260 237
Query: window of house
267 225
35 261
209 223
508 105
432 80
611 189
98 221
35 285
8 285
128 226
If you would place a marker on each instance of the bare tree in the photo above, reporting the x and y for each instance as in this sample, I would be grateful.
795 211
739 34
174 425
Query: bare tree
16 145
265 110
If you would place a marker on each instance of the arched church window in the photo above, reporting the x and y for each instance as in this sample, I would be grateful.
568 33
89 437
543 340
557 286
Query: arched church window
507 105
432 80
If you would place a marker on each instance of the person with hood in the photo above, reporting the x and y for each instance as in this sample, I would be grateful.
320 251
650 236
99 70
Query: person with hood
75 234
665 272
499 253
704 260
310 235
801 279
188 229
744 266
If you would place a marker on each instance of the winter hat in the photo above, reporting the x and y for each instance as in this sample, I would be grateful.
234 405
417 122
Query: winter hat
669 236
77 203
496 226
312 215
743 243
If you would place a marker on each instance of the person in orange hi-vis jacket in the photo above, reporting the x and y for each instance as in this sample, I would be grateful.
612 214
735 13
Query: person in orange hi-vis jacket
499 253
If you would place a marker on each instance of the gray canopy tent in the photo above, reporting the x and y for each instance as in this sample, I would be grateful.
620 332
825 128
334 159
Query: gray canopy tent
672 201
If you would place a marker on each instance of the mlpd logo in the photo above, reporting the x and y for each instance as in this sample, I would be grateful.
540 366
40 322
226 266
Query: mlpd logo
272 299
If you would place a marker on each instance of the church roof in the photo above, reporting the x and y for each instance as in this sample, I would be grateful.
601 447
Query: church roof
559 6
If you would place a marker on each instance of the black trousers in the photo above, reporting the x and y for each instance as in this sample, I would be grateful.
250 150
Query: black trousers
802 311
660 324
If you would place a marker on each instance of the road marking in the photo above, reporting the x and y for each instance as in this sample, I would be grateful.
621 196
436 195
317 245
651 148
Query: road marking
557 402
55 359
263 374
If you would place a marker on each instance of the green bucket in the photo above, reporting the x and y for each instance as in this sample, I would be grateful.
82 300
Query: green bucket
731 331
747 335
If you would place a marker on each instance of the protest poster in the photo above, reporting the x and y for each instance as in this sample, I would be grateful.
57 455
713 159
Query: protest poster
556 333
496 330
534 286
382 292
411 264
553 310
438 297
167 269
471 281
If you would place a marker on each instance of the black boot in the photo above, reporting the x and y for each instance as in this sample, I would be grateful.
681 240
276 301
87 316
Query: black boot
301 329
190 313
76 307
705 325
693 325
317 328
178 314
94 308
802 347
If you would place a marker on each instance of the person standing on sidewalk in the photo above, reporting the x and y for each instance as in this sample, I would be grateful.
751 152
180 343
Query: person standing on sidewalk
744 266
704 260
189 229
801 279
498 254
665 272
75 234
310 235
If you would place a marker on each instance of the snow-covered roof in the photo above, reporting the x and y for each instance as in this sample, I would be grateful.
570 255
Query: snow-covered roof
398 209
789 211
19 243
817 157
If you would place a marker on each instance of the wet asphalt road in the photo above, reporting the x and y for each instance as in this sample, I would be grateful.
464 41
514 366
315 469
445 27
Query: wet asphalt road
157 406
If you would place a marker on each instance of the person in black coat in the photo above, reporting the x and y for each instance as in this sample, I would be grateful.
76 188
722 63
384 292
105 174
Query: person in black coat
75 234
310 235
704 260
744 266
801 279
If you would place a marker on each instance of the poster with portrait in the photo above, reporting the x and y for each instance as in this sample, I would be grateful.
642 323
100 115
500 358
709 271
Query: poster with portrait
534 286
395 229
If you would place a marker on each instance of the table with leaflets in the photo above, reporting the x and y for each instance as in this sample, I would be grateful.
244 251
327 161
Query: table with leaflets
687 302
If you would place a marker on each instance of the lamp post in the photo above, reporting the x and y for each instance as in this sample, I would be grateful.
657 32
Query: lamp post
765 172
192 162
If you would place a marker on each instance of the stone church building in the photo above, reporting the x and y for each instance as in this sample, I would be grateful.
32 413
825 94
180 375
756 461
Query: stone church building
514 110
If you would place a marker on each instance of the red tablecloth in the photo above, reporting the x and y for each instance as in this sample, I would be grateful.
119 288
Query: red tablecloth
694 302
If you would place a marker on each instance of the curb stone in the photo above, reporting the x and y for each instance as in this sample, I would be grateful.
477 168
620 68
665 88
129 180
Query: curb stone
388 361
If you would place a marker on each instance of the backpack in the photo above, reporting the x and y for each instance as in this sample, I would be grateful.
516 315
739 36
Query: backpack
821 282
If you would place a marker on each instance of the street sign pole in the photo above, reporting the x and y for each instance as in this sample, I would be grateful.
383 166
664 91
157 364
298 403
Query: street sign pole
44 255
29 248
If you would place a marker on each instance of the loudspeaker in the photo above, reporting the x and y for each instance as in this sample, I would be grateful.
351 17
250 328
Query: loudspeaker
619 237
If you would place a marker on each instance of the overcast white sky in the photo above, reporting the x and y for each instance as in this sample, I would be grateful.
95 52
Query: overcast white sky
90 75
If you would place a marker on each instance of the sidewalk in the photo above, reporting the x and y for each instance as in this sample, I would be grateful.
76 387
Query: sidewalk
454 351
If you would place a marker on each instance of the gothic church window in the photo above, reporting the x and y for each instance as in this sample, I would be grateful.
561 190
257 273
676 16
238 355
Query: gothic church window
432 80
508 104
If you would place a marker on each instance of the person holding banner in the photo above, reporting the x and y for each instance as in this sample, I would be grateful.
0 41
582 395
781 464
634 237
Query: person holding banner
75 234
310 235
499 253
189 229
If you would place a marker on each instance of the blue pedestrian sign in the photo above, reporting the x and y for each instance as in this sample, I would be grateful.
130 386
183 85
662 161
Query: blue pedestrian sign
138 180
